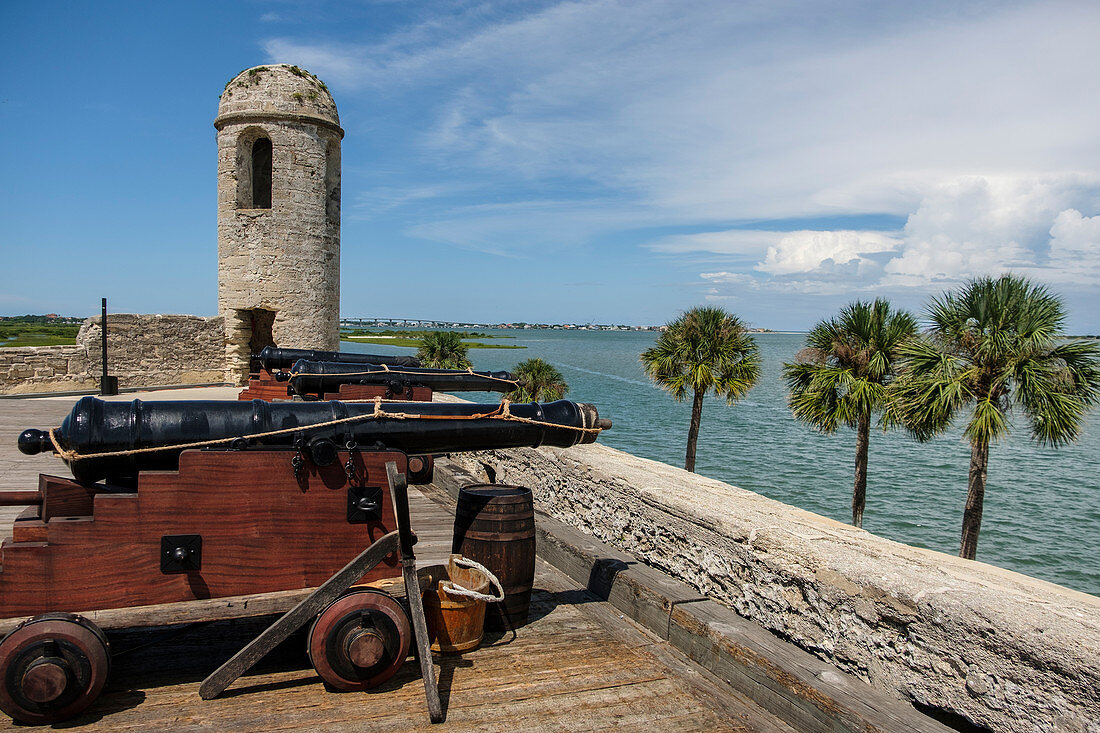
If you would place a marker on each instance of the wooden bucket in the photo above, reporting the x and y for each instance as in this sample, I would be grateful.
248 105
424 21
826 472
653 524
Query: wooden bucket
495 525
455 623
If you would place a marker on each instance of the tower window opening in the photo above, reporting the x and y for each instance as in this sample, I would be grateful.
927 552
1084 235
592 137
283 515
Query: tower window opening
261 173
332 183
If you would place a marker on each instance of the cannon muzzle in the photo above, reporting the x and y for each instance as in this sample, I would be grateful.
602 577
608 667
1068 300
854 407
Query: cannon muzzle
32 442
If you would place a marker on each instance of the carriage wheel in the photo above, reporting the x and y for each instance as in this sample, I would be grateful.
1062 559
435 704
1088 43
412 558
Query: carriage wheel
52 667
360 640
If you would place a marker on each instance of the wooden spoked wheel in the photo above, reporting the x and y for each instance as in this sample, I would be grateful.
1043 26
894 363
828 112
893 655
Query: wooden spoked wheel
360 640
52 667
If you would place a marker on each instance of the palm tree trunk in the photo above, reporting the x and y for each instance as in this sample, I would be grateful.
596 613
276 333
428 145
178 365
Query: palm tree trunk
693 431
859 491
975 498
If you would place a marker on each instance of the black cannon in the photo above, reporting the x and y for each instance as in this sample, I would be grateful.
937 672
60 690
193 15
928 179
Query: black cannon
97 427
316 378
272 358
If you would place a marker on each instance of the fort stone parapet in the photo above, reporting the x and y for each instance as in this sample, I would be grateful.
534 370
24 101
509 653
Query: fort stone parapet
278 213
976 645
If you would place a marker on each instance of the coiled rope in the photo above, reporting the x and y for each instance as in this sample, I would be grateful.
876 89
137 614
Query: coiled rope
452 588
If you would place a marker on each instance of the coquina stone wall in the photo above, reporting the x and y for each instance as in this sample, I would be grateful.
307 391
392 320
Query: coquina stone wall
1002 650
142 351
25 369
278 260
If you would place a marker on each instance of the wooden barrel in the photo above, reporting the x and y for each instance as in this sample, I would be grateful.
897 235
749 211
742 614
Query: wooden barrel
495 525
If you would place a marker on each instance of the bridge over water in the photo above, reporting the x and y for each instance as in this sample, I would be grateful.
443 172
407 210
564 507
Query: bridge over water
406 322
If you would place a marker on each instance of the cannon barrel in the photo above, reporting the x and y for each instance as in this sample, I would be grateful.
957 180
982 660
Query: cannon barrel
272 358
319 377
95 426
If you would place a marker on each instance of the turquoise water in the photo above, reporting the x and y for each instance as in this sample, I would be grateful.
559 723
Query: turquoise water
1042 505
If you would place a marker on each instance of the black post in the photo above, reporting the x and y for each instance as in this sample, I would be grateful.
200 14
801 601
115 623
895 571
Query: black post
107 385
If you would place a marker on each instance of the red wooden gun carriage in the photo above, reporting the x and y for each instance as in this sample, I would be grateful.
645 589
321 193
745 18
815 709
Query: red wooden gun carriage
188 501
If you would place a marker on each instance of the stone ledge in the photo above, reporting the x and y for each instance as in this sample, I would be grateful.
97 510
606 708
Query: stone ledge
800 689
969 642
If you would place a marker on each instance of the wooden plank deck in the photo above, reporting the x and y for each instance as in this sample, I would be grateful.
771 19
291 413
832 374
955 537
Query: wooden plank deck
578 665
566 670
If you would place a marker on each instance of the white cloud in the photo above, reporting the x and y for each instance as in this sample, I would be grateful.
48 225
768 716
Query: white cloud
1074 252
977 225
731 278
735 241
1074 237
720 111
810 251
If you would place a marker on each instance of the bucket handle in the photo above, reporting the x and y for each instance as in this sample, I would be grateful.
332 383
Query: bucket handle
451 588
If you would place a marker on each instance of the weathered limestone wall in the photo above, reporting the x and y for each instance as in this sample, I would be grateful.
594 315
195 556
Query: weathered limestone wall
1003 650
285 258
26 369
150 350
142 351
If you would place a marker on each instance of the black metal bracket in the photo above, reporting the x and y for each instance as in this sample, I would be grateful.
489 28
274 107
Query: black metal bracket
364 504
180 553
397 390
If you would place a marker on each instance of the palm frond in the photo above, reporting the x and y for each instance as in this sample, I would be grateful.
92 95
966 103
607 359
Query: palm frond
539 382
994 343
443 350
705 349
848 362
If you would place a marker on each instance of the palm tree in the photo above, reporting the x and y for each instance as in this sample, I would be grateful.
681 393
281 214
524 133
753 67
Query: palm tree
443 350
842 376
704 349
995 344
538 382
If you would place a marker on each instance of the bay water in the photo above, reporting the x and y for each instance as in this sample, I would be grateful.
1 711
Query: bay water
1042 505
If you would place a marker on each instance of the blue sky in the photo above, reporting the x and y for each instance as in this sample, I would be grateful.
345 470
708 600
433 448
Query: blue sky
571 161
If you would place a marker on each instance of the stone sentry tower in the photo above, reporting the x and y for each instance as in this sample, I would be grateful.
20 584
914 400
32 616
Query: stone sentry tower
278 213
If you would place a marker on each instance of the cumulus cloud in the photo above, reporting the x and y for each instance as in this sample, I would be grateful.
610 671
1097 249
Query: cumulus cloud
980 224
810 251
730 278
964 227
1074 252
